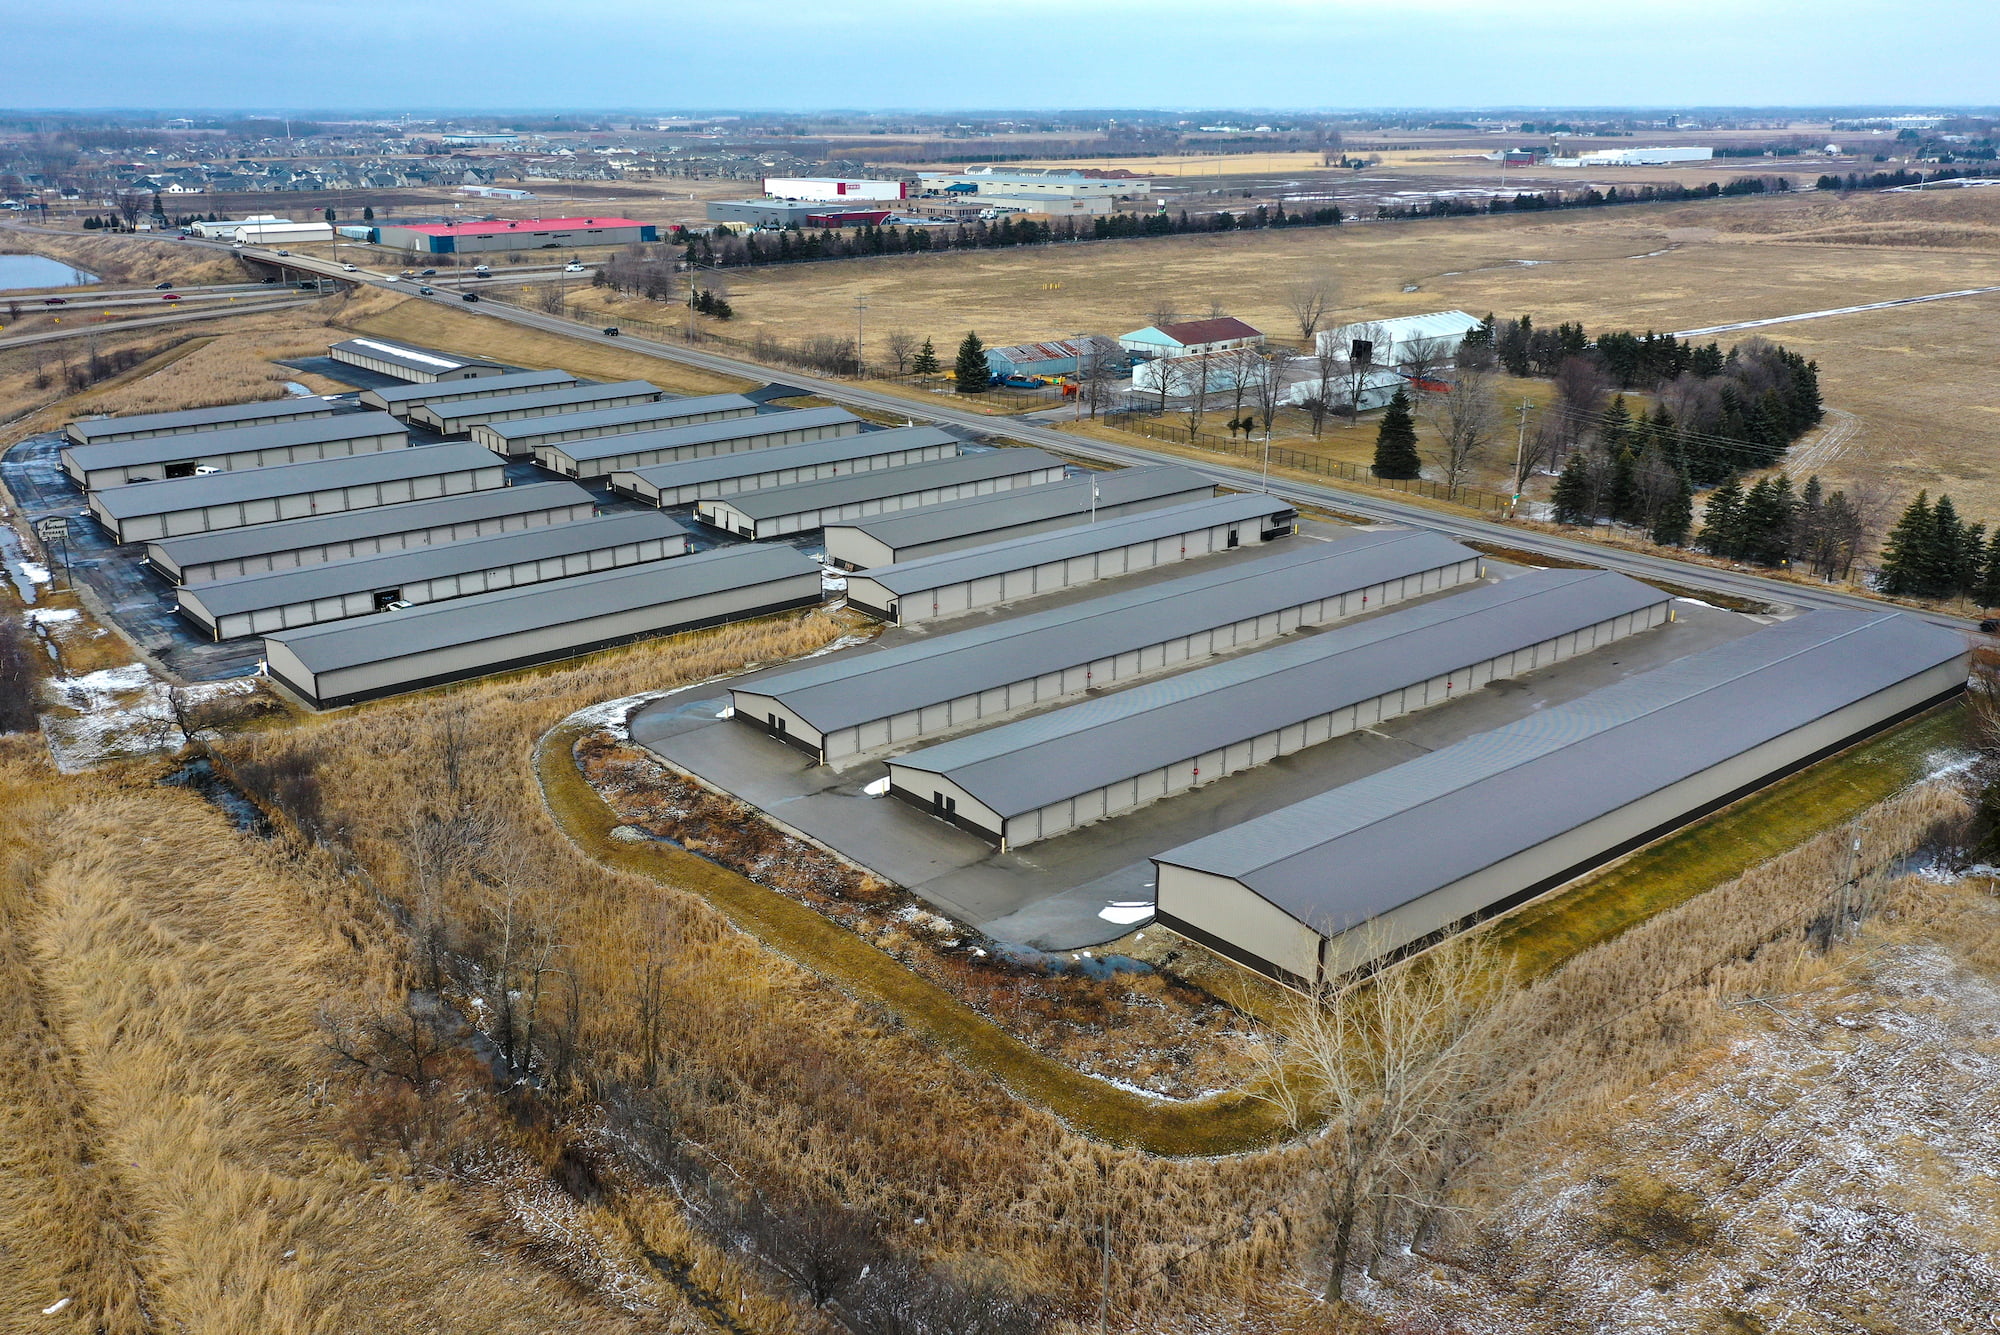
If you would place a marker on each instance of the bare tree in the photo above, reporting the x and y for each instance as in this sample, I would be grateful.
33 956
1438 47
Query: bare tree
1358 349
1194 377
1237 372
1092 382
1269 389
1308 302
132 203
1466 419
902 346
1424 358
1162 312
1326 363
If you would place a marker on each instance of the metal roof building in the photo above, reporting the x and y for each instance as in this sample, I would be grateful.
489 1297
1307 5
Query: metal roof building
170 508
406 361
334 590
517 438
398 400
152 458
459 416
1001 572
103 430
641 449
691 480
988 519
1328 884
805 506
203 557
492 632
860 702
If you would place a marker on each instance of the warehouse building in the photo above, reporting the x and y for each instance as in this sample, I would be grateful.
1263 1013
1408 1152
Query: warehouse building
805 506
853 704
1328 885
104 430
398 400
1059 357
692 480
223 229
202 558
415 647
459 416
151 458
794 213
517 438
643 449
1191 338
145 511
514 234
839 189
282 233
405 361
335 590
1016 514
1004 572
1040 777
1432 339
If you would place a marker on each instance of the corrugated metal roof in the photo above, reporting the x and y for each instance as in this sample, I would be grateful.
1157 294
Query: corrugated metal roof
749 463
483 386
855 688
414 630
548 398
930 572
376 521
231 440
1216 329
665 410
1360 850
980 514
1020 766
408 355
388 570
1401 328
191 418
702 433
801 497
251 484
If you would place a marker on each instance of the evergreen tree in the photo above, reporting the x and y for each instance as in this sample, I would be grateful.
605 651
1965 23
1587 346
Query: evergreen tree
1987 594
368 213
1903 555
1722 520
329 213
926 361
1571 497
1766 527
970 372
1617 427
1971 560
1676 518
1940 562
1624 500
1396 442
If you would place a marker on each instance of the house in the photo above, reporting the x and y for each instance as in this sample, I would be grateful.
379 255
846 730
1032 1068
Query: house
1186 338
1431 339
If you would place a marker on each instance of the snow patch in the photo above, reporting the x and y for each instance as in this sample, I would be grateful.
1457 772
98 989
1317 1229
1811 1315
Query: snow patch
120 712
44 616
36 573
1127 911
879 788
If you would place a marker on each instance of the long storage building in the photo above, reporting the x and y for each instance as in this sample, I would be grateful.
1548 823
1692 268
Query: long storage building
152 458
517 438
804 506
414 647
1327 885
1002 572
202 558
104 430
692 480
458 416
407 361
1039 777
398 400
335 590
857 703
1016 514
144 511
642 449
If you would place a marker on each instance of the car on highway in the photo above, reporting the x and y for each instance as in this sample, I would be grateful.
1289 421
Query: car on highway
270 280
574 267
170 296
55 301
391 278
470 296
426 291
350 268
611 331
163 287
427 273
284 252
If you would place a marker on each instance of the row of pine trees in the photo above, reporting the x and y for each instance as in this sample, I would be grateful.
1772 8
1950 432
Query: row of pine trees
1932 553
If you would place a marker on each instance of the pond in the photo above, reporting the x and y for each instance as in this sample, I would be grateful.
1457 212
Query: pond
19 271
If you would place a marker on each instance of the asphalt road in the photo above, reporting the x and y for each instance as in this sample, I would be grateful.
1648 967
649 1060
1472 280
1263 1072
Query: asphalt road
171 315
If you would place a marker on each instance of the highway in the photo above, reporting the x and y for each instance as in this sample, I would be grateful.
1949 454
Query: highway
176 314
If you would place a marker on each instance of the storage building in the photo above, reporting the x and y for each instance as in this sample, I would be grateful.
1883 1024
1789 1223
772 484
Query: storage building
982 520
203 557
335 590
144 511
1432 339
151 458
405 361
1059 357
691 480
1392 860
641 449
1191 338
1004 572
517 438
104 430
514 234
397 400
492 632
805 506
855 703
282 233
840 189
1040 777
459 416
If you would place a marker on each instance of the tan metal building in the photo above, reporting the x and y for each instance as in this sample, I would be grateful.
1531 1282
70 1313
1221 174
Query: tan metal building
518 438
153 458
458 416
398 400
805 506
692 480
104 430
643 449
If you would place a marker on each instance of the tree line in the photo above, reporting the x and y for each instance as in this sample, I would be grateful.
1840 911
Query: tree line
1590 198
1932 553
1899 177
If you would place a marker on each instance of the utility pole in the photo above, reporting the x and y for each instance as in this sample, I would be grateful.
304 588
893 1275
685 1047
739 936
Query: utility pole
860 357
1520 453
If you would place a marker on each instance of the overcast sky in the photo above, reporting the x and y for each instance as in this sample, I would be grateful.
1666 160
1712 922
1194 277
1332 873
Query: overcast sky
642 54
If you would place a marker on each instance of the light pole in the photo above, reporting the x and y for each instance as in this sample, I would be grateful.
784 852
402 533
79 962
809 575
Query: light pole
860 357
1520 453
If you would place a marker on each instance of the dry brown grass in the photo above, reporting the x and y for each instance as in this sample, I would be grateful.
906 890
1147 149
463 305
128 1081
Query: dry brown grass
121 261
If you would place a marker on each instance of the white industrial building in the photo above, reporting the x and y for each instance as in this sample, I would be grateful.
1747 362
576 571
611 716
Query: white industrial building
692 480
842 189
1005 182
1634 157
399 400
151 458
1432 340
225 229
518 438
406 361
1362 392
1192 338
805 506
643 449
1202 374
282 233
104 430
458 416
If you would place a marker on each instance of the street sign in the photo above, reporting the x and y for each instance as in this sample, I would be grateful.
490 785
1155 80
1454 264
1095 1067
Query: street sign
50 527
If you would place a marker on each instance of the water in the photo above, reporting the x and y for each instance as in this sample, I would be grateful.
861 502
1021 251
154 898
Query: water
22 271
199 774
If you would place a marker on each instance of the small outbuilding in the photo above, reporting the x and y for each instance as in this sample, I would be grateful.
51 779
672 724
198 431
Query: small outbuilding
805 506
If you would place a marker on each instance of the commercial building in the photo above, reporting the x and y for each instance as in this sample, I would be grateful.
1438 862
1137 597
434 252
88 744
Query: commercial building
203 557
793 213
414 647
1361 391
104 430
1054 182
1188 338
1201 374
982 520
278 600
1634 157
225 229
692 480
1058 357
852 704
1003 572
514 234
459 416
398 400
406 361
517 438
1329 884
805 506
1430 340
1039 777
642 449
281 233
145 511
839 189
150 458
